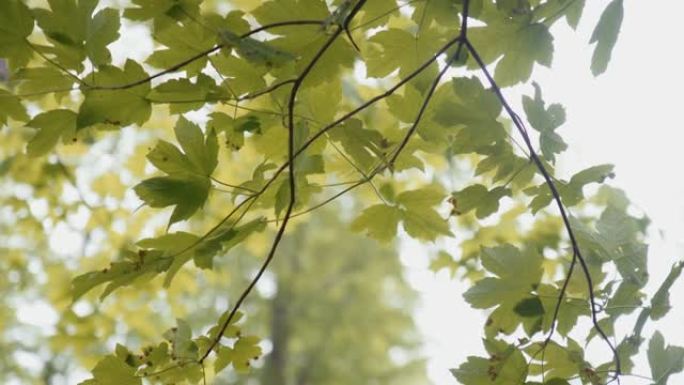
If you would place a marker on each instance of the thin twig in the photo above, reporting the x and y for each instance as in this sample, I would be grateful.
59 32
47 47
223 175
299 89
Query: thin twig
292 184
233 186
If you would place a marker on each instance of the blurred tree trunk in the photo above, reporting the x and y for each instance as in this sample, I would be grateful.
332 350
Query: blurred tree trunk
275 370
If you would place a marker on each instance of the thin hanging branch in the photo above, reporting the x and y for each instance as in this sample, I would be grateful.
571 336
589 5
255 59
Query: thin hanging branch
462 38
576 252
292 185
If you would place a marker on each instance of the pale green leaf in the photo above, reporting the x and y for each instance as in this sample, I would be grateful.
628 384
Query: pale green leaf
187 194
477 197
16 23
379 221
113 371
11 107
117 107
605 36
664 361
52 126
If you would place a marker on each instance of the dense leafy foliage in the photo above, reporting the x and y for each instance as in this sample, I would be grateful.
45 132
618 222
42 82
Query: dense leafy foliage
248 117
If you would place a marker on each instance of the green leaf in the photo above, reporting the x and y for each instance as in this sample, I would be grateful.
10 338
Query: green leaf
507 366
76 33
478 198
184 347
232 330
405 107
147 9
521 45
168 158
422 198
11 107
476 110
255 51
176 245
242 76
362 144
571 192
393 54
16 23
660 304
52 126
513 7
425 224
379 221
444 260
111 370
664 361
181 94
552 10
605 36
103 29
187 194
473 372
443 12
529 307
183 40
187 186
545 120
200 156
563 362
39 80
517 274
118 107
121 273
388 51
201 152
244 350
321 102
276 11
501 161
223 239
571 309
420 220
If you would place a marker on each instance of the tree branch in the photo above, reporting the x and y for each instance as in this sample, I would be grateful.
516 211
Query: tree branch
292 184
577 254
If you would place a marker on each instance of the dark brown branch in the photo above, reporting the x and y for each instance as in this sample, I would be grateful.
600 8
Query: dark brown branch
148 79
344 118
55 64
462 37
236 187
292 184
292 153
348 20
176 66
577 253
358 169
266 90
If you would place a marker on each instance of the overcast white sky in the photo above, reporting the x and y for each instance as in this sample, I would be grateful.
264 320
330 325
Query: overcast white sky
630 117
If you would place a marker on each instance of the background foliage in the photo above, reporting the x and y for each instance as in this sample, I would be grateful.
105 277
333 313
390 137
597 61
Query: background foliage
175 184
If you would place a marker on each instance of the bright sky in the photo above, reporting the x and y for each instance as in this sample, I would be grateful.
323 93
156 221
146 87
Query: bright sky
627 117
